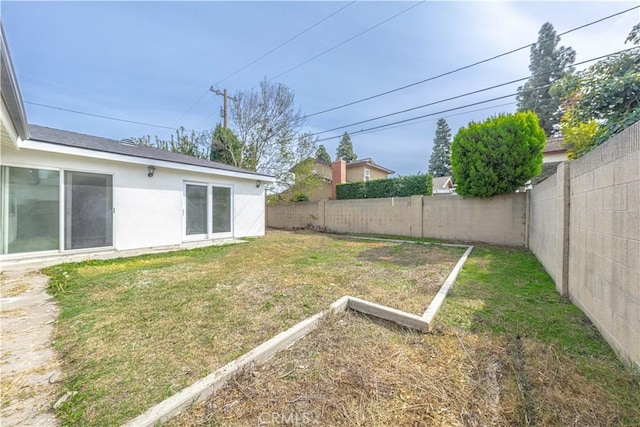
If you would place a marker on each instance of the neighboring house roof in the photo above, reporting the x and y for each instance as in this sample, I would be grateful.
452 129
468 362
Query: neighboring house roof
555 144
95 143
548 169
369 162
442 182
10 90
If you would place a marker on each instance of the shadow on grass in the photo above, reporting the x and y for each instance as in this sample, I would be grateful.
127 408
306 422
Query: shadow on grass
564 370
404 255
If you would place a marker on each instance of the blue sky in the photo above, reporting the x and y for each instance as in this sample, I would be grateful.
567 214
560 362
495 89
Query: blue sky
151 61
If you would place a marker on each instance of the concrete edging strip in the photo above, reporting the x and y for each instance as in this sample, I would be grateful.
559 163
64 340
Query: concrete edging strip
437 301
387 313
206 386
415 242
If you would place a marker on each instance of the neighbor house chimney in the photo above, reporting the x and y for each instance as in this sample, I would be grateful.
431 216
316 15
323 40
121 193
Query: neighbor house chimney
338 175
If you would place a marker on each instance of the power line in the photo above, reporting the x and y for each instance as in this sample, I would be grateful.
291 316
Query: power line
286 42
191 108
440 101
434 114
99 116
462 68
259 58
347 40
443 117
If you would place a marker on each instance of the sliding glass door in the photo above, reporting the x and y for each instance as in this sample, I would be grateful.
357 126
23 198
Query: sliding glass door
208 211
88 210
30 209
196 209
221 209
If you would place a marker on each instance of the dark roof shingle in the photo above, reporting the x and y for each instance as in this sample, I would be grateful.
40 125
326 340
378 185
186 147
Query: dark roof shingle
96 143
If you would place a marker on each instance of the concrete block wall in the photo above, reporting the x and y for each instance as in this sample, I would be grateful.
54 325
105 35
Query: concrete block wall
548 213
381 216
498 220
604 236
296 215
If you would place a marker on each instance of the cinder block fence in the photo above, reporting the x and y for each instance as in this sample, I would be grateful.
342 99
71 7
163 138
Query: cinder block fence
582 223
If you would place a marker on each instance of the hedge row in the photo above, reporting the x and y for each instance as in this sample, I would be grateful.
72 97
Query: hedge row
393 187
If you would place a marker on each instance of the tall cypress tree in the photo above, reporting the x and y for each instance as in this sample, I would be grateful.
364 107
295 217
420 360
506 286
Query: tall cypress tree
440 161
548 64
345 149
322 154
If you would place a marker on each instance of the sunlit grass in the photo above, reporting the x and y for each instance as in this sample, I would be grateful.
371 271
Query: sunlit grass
134 331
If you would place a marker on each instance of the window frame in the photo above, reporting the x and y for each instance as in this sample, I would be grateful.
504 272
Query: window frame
209 235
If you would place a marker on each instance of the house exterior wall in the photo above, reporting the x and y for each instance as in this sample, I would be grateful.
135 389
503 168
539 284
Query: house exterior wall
322 192
323 170
356 173
554 157
149 211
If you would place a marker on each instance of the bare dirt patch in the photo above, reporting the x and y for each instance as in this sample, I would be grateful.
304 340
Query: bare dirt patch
28 365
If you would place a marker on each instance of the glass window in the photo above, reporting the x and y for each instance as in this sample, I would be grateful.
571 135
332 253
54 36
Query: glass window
196 209
30 205
221 209
88 210
367 174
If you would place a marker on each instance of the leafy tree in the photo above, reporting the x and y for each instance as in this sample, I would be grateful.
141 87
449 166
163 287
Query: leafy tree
601 100
634 35
192 143
440 161
268 127
322 154
497 156
225 147
345 149
548 64
306 181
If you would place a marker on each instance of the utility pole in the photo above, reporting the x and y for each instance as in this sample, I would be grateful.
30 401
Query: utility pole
224 109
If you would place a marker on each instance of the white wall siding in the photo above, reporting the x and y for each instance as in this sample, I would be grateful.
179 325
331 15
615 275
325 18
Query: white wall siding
149 212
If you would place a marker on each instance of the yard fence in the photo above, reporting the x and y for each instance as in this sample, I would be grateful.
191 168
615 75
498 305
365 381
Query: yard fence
585 229
582 223
499 220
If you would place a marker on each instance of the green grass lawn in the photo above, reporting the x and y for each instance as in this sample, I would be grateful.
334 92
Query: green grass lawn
507 350
559 368
134 331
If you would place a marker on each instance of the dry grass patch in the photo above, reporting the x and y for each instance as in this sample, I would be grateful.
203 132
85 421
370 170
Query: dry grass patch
135 331
354 370
508 351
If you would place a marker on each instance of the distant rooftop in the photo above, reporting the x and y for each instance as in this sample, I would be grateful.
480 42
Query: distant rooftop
555 144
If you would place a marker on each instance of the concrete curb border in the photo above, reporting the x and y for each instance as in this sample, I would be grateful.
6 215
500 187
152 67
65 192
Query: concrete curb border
206 386
438 300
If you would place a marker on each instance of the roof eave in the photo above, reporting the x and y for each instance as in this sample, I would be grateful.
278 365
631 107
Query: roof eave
35 144
10 89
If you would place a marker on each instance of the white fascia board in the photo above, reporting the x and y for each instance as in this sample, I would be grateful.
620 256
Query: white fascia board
103 155
8 124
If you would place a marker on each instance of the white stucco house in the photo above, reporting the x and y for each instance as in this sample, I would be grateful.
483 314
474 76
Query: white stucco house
64 193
